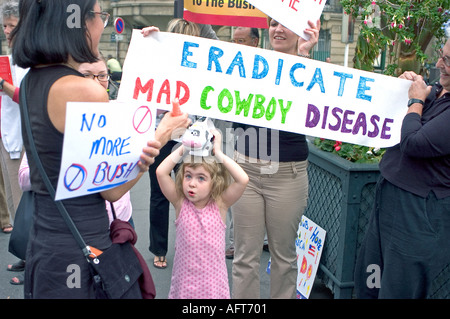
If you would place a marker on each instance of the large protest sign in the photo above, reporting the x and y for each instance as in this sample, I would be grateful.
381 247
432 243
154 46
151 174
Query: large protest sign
293 14
265 88
224 12
102 145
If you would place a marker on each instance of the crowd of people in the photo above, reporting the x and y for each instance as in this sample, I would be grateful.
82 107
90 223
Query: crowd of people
408 233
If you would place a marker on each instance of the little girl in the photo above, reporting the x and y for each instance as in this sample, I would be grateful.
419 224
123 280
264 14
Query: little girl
201 194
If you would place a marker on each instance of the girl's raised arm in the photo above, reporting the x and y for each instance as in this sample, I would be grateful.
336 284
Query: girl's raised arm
236 189
166 183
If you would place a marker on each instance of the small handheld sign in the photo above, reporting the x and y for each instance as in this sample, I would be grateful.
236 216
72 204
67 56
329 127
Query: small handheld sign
119 25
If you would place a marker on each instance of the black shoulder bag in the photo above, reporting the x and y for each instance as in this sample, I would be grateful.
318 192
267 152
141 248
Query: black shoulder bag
116 270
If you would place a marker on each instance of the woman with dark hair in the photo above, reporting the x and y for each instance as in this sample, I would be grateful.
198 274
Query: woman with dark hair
52 38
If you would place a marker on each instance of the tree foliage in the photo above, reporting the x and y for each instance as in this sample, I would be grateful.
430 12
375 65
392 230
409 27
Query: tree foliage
403 28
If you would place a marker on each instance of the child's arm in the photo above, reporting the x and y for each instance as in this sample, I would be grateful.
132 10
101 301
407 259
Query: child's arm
166 183
236 189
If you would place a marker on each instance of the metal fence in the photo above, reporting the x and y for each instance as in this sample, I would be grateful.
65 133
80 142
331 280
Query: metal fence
341 195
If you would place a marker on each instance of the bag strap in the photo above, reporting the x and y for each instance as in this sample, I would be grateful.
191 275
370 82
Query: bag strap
23 104
113 210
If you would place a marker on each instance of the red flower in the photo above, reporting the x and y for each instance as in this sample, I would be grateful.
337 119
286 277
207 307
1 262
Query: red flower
337 146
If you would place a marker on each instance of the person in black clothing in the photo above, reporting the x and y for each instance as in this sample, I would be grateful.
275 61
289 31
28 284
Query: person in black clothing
406 250
159 205
53 50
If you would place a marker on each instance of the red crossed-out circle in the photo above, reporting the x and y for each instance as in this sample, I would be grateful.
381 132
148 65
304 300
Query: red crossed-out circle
142 119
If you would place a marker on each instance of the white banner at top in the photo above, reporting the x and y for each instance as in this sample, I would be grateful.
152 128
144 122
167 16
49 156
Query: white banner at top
293 14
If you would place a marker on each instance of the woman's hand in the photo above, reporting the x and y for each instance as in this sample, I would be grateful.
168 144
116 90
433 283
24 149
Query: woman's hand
148 155
146 159
305 46
147 30
171 127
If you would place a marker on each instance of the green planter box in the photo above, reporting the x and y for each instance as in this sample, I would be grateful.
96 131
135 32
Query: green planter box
341 195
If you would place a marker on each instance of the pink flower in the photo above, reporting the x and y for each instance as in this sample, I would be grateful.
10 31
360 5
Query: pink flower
400 26
408 41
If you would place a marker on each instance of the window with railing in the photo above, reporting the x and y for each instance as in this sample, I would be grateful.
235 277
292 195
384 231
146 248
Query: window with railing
322 50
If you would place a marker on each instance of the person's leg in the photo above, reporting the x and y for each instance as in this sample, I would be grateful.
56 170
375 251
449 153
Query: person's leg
10 169
5 222
159 211
248 219
369 262
229 253
286 195
417 248
405 246
439 217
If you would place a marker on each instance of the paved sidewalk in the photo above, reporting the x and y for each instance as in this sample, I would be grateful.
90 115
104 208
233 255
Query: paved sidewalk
140 197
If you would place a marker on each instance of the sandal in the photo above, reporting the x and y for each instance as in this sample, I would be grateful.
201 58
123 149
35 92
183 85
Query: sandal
18 280
7 229
18 266
160 259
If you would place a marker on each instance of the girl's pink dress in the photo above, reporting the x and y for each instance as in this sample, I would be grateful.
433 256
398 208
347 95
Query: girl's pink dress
199 270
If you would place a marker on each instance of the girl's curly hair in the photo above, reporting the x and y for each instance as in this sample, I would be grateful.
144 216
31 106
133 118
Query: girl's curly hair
220 176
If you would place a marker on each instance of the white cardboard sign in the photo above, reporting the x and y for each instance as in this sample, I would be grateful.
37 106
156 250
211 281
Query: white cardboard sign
293 14
102 146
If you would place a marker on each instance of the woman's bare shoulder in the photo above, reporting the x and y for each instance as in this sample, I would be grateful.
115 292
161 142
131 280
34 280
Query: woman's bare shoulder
72 89
78 89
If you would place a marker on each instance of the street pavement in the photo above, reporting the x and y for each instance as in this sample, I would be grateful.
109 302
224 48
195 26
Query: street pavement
140 197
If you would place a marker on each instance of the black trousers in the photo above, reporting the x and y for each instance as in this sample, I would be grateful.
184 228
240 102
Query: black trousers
406 250
159 206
